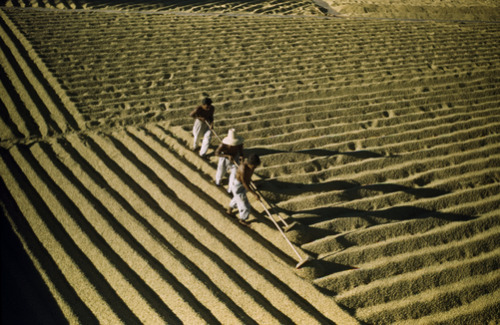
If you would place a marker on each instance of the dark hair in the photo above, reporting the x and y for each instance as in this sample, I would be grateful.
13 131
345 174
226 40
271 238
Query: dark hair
253 159
206 101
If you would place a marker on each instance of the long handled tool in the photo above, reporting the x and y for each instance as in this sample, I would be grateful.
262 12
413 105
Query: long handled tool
216 135
302 261
287 225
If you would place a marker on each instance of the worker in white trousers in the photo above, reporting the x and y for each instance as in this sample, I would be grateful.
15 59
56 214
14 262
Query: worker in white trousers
230 151
203 125
240 188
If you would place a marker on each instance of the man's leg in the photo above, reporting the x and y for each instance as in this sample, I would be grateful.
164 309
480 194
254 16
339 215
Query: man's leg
196 133
240 201
221 170
207 136
232 205
232 176
243 205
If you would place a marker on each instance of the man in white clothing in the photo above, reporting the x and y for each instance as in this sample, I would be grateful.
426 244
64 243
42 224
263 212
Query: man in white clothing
203 125
230 151
240 187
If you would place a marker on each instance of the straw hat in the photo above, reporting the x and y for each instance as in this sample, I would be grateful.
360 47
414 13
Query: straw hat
232 139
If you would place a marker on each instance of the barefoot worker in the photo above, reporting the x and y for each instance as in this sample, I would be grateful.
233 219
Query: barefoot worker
203 125
229 152
240 187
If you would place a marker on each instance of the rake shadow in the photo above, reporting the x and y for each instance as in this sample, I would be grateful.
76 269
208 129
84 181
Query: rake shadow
351 190
418 192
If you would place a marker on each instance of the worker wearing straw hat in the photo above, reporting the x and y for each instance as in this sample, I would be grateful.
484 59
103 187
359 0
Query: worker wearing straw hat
229 153
203 125
240 187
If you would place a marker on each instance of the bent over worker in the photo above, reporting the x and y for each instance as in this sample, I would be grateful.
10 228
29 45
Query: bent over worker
229 151
240 187
203 114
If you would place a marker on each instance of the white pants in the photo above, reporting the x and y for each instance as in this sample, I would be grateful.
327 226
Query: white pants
201 129
224 166
240 200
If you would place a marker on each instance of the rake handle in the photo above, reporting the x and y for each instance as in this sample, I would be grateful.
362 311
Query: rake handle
282 233
279 216
216 135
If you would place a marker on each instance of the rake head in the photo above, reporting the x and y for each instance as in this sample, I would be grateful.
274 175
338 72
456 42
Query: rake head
290 226
304 261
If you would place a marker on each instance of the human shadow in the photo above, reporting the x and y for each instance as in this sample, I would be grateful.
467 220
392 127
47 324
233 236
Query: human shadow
418 192
351 190
399 213
317 152
262 151
289 188
360 154
346 190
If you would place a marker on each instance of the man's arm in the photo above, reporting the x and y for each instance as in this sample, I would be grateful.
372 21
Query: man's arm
211 123
219 153
240 152
194 113
211 119
247 179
